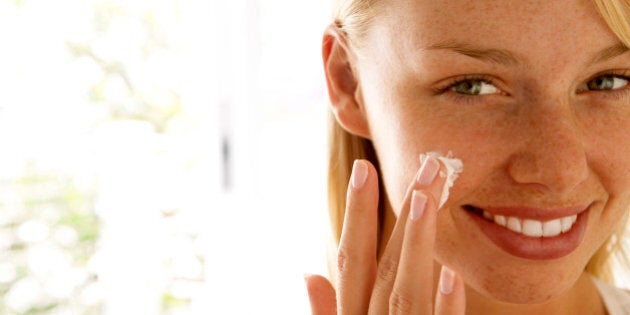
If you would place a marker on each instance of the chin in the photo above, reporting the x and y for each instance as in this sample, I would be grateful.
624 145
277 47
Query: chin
524 286
493 276
521 293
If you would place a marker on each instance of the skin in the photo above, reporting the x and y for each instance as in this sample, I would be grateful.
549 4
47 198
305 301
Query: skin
540 137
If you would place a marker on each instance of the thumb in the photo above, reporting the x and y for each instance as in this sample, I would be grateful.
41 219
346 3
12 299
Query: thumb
321 295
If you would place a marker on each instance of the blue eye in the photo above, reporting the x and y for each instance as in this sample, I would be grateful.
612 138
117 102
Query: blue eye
607 83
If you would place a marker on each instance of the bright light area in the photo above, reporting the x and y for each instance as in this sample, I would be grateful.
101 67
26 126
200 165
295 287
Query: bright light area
161 157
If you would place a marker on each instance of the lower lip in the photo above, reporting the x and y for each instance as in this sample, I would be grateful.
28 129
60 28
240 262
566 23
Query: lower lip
540 248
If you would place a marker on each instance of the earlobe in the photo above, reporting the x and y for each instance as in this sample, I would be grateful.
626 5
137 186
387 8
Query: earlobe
343 85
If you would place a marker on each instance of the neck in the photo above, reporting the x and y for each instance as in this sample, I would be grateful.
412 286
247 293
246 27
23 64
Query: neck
582 298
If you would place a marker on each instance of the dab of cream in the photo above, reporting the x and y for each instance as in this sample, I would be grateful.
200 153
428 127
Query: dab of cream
453 166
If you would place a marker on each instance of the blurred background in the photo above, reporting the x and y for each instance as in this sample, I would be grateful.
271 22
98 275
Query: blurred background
161 156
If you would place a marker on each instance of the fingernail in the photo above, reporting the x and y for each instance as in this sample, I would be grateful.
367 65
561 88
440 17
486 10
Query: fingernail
447 280
428 171
359 174
418 204
307 275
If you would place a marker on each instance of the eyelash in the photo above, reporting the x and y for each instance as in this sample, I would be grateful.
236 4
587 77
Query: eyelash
463 98
615 94
447 87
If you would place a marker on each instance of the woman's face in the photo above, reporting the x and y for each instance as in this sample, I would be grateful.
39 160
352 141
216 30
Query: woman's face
532 97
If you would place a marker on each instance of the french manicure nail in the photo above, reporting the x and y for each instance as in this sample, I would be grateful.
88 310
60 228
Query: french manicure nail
447 280
428 171
418 204
359 174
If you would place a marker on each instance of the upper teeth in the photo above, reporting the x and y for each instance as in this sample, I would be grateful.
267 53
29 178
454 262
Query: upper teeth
533 228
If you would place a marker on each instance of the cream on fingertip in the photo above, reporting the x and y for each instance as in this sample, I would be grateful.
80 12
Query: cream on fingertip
454 167
428 172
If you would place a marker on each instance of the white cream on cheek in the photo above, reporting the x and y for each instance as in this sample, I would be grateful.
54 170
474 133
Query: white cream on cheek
454 167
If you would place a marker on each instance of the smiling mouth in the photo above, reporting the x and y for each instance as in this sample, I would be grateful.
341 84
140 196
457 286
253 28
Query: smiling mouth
527 226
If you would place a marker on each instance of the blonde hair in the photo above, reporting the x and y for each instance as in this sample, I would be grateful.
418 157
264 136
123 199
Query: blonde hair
353 18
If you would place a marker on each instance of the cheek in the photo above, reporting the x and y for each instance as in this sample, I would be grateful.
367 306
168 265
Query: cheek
399 138
610 162
398 152
607 145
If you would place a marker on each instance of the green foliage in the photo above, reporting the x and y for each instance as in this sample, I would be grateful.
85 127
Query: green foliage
44 209
18 3
171 302
53 203
137 100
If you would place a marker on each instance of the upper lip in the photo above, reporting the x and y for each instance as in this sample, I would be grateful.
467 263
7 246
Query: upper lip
534 213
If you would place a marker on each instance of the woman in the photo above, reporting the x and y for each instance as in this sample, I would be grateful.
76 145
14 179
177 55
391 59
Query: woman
533 98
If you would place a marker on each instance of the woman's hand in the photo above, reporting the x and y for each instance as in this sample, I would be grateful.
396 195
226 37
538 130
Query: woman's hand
402 281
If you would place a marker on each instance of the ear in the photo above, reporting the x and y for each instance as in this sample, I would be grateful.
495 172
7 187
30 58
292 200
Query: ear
343 84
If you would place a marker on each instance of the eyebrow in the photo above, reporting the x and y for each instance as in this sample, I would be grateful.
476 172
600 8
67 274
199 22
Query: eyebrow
508 58
497 56
610 52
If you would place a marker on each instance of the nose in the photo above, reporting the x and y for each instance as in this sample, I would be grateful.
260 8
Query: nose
551 153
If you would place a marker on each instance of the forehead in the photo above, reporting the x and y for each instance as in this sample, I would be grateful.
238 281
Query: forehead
529 28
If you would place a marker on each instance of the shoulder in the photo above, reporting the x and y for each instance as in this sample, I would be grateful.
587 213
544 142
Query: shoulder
617 300
607 289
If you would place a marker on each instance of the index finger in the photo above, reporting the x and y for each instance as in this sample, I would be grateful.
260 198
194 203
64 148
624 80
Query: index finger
357 248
